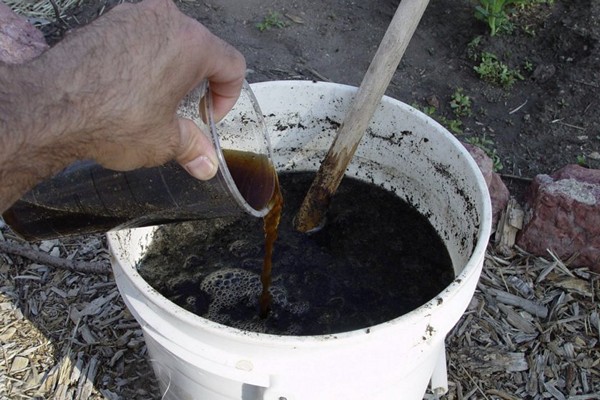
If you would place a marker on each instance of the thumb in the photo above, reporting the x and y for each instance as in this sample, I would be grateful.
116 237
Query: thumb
196 152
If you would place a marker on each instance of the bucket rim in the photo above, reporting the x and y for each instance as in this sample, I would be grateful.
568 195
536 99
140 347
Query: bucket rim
473 266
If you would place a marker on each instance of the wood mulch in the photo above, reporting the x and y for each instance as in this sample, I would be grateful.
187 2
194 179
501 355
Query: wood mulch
66 334
42 12
531 331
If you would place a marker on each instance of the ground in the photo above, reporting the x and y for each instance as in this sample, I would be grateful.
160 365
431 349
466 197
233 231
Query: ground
545 120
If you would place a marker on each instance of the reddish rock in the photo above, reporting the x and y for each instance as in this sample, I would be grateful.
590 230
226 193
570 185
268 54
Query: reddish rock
19 40
500 195
498 191
563 215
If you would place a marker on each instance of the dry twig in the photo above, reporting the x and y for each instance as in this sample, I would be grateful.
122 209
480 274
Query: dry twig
57 262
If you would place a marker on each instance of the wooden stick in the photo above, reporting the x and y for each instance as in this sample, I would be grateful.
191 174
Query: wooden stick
377 78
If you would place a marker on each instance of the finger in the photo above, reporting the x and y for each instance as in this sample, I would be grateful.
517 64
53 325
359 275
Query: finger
196 152
224 96
209 57
225 71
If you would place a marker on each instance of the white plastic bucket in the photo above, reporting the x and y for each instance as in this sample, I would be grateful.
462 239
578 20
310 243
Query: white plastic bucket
404 151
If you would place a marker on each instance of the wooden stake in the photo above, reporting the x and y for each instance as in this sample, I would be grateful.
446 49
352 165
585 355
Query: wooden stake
311 215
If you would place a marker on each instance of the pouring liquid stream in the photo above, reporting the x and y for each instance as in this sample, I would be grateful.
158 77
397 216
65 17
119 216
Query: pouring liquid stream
251 173
271 222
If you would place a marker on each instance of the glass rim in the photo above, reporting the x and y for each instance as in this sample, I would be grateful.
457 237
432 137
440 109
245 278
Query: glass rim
223 172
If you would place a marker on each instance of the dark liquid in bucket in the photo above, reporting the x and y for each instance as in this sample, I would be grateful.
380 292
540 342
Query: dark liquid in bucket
376 259
86 198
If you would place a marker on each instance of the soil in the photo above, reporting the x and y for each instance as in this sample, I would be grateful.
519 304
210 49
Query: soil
375 259
543 122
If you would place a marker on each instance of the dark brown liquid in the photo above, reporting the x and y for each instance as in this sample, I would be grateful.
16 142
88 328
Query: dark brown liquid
37 222
375 259
86 198
271 222
256 179
253 175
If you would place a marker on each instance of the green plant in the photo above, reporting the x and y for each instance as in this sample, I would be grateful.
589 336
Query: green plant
272 20
582 160
528 66
454 125
487 146
495 14
460 103
492 70
528 29
428 110
473 48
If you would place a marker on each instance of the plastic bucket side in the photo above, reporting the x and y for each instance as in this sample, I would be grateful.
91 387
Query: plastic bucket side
391 360
198 361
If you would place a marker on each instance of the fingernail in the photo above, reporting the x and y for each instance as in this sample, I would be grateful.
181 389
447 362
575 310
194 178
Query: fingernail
201 168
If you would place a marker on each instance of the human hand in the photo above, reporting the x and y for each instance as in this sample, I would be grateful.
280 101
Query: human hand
109 92
130 70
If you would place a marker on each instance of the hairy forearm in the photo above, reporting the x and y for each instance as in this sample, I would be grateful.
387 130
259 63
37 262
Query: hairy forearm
31 124
59 107
109 92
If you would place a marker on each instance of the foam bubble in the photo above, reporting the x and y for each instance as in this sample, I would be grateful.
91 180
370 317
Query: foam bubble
230 288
